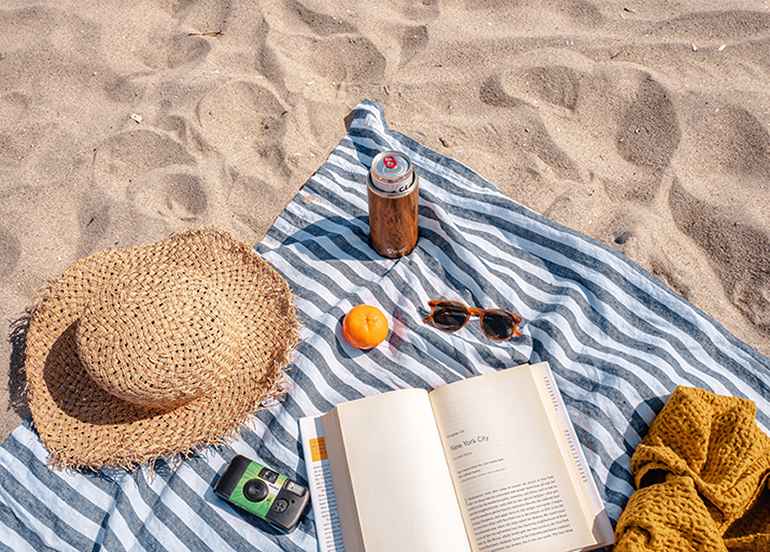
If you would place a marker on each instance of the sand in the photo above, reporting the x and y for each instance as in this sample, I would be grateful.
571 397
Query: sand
643 124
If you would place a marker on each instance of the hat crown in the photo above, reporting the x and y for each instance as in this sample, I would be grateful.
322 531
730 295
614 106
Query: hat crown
159 338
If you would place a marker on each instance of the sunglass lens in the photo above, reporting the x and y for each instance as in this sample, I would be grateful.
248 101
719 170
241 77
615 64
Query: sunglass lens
449 317
499 325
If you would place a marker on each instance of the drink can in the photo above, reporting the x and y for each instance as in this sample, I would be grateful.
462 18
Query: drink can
393 204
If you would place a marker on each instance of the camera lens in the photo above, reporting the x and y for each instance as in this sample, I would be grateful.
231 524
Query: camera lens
255 490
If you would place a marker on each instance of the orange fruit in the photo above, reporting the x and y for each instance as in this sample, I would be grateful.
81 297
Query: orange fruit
365 327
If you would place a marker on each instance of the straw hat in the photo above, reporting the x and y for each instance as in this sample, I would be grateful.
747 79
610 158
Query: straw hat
138 353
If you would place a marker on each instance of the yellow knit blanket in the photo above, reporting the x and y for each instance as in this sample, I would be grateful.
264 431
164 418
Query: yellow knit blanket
703 475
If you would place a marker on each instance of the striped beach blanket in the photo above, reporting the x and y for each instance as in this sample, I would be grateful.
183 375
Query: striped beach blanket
617 340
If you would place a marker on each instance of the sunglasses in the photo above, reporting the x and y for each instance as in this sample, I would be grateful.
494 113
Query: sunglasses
450 316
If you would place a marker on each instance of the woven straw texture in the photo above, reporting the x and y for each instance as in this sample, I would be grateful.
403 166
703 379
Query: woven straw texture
145 352
703 471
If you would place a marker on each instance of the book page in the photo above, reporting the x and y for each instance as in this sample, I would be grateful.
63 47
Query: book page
591 500
390 477
319 480
515 488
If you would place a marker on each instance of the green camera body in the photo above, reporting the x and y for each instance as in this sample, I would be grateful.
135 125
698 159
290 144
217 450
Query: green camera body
264 492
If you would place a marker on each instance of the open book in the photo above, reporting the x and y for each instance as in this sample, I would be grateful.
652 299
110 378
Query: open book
486 464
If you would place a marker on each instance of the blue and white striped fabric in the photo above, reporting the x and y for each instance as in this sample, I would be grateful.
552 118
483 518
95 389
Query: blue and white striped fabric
617 341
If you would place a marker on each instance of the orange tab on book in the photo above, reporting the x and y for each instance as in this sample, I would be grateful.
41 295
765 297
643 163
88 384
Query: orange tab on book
318 449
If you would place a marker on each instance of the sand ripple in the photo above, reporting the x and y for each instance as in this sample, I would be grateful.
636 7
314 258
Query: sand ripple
644 124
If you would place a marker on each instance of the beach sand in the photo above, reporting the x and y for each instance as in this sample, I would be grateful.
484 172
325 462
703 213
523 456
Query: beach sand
643 124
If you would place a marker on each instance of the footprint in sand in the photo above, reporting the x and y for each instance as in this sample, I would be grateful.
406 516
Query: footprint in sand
130 170
647 137
248 122
555 84
347 59
130 193
628 116
185 131
185 49
126 156
525 88
721 200
649 133
328 47
199 24
164 51
300 46
251 199
413 41
175 51
726 141
492 92
736 249
10 251
186 197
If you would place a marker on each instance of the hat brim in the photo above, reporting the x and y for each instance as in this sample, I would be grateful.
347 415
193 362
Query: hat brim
83 426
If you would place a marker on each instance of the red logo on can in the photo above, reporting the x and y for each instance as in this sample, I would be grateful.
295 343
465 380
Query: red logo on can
390 162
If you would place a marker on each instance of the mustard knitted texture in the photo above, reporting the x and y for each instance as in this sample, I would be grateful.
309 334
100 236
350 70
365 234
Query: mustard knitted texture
702 474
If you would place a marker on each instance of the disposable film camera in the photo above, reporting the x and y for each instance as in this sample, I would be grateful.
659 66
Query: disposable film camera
263 492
